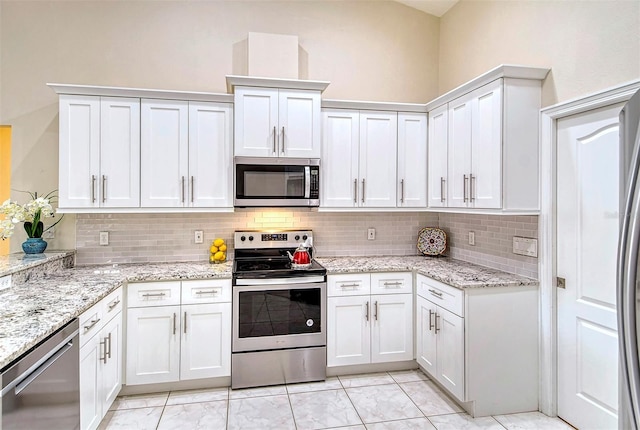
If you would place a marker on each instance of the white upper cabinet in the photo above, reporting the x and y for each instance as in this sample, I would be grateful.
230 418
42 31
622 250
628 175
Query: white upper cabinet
437 157
99 152
272 122
185 150
412 160
487 130
378 149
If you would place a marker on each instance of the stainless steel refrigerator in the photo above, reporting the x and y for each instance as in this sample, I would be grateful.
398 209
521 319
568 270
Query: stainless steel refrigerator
628 282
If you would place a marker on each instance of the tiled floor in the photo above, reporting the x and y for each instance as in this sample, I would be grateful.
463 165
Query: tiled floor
381 401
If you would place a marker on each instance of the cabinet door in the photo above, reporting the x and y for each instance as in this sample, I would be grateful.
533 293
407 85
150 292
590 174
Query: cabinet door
299 123
486 147
79 151
90 403
153 345
378 150
111 370
412 160
164 153
459 157
348 330
437 164
256 122
210 158
119 152
450 352
426 339
340 140
392 329
206 341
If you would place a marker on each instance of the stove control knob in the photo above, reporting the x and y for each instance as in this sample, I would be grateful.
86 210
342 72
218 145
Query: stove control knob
242 238
304 237
297 237
250 237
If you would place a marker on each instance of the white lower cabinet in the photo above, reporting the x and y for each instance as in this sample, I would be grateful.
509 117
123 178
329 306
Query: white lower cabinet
365 328
481 344
100 359
178 331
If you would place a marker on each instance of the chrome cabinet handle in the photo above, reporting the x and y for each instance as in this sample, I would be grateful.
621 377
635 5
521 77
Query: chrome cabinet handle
431 313
402 191
436 325
185 323
464 188
375 309
387 284
109 343
90 326
472 190
174 323
104 188
355 191
153 295
442 189
363 190
113 304
274 139
93 188
182 192
103 343
283 140
192 190
366 315
436 293
349 285
207 292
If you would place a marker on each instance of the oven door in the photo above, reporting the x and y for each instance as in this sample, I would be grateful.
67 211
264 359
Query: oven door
276 182
279 316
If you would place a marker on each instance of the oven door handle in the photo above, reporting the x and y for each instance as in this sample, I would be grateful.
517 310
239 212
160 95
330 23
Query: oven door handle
280 281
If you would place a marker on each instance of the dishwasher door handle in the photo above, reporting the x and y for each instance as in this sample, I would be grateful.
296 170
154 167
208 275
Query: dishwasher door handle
25 381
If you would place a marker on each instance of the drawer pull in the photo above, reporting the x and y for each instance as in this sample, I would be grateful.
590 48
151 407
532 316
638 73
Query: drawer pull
113 304
366 315
91 325
392 284
437 328
153 295
375 308
438 294
200 292
431 313
354 285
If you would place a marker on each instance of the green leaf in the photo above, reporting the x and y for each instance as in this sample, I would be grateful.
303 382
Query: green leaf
34 231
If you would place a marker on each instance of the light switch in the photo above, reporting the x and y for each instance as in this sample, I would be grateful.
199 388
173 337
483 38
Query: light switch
104 238
525 246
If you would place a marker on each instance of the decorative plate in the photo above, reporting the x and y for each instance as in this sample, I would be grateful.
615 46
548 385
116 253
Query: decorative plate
432 241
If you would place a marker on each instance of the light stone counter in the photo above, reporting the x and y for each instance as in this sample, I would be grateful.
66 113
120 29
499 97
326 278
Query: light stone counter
456 273
12 263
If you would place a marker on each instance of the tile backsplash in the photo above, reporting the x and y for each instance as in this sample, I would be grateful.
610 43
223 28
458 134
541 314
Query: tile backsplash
138 238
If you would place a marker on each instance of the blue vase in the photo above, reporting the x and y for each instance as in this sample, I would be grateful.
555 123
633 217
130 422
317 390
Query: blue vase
34 245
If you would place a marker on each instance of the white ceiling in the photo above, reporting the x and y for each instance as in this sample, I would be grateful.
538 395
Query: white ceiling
433 7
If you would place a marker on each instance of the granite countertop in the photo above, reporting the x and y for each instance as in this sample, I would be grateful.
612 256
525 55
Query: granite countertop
13 263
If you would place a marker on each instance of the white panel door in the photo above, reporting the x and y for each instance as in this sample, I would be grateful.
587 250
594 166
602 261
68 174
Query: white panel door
340 140
90 403
412 160
392 328
164 153
256 122
111 370
587 236
299 123
378 152
459 156
426 339
206 341
450 351
153 345
348 330
210 157
437 156
79 151
485 186
119 152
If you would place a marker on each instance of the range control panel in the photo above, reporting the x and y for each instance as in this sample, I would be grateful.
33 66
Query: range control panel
272 239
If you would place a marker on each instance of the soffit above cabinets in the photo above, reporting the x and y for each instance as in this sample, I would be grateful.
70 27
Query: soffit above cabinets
432 7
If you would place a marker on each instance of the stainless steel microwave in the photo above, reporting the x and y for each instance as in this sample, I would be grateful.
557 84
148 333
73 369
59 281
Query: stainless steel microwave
276 182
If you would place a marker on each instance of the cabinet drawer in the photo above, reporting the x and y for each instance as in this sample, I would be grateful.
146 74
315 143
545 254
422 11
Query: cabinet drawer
445 296
392 283
153 294
91 321
206 291
349 284
112 304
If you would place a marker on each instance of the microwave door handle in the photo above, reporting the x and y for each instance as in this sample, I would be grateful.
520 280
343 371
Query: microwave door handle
307 182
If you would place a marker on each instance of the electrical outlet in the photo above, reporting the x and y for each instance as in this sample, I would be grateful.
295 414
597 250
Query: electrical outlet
49 234
5 282
525 246
104 238
472 238
371 234
198 236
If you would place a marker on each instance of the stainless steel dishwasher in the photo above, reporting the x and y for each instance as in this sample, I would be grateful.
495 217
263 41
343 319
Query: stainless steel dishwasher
42 389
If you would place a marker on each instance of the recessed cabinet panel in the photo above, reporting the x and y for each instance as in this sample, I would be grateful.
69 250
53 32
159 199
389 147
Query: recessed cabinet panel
426 339
299 123
348 330
378 149
412 160
450 352
459 152
392 328
256 122
438 153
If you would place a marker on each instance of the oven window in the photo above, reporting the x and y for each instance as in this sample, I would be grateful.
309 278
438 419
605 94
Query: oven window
279 312
275 182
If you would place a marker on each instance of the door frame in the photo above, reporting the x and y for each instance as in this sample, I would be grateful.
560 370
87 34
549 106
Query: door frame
548 353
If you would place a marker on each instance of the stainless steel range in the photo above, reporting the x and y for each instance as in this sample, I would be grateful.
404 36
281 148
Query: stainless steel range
279 313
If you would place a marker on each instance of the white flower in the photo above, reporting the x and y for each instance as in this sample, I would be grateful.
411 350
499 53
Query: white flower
14 213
